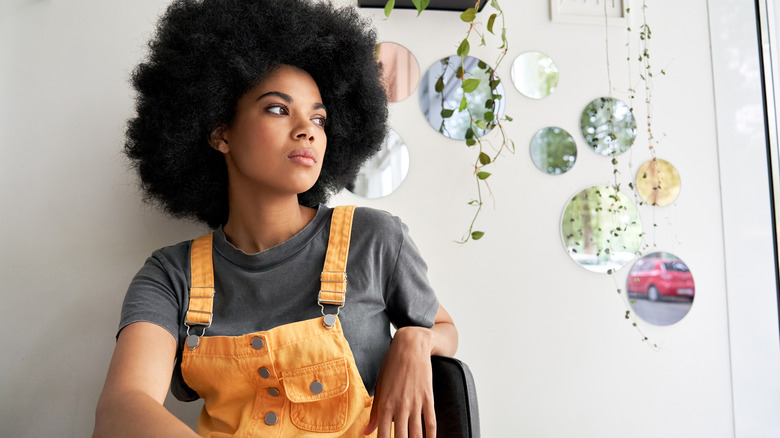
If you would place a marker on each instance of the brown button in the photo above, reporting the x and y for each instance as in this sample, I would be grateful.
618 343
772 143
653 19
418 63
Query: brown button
270 418
316 387
257 343
274 392
264 373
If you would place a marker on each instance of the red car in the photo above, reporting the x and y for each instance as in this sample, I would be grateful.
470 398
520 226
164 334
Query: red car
657 277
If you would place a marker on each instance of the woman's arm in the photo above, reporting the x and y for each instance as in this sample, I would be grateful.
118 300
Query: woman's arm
404 389
131 404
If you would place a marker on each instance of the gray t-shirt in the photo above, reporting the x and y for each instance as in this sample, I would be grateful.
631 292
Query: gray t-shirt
387 283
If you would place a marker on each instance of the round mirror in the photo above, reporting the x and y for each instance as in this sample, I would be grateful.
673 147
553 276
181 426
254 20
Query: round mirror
442 98
400 71
553 150
384 172
608 126
661 288
658 182
601 229
534 74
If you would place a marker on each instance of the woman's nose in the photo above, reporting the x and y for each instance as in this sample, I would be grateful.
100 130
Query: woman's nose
303 130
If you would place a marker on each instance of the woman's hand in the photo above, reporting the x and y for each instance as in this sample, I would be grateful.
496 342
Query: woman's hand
404 389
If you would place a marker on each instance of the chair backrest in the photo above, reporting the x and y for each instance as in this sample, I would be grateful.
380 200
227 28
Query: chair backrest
454 398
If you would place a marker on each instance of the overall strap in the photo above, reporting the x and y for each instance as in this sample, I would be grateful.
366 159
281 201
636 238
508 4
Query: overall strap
200 310
333 280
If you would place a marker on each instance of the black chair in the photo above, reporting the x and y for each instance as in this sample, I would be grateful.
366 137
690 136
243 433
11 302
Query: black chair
455 399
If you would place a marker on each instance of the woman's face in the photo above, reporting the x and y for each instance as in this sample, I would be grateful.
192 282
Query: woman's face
276 143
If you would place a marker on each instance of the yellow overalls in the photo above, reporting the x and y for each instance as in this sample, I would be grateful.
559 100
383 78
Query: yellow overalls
295 380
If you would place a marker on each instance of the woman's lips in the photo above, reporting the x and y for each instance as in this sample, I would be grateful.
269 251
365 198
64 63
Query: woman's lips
303 156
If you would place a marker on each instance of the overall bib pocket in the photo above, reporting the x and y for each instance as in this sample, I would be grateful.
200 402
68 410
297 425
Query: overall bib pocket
318 395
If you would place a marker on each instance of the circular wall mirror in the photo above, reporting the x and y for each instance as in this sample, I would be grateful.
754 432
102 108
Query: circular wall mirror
601 229
608 126
400 70
658 182
442 98
661 288
553 150
385 171
534 74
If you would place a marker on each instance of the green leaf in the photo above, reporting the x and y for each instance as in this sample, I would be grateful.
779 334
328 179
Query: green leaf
468 15
464 48
476 235
463 104
481 124
489 116
459 72
508 119
484 158
491 21
490 104
481 64
469 133
470 142
439 85
420 5
483 175
446 113
389 7
470 85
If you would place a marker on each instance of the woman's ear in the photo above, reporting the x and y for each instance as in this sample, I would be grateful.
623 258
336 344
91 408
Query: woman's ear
218 139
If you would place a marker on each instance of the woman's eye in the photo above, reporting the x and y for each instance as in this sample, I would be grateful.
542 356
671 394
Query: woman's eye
277 109
320 121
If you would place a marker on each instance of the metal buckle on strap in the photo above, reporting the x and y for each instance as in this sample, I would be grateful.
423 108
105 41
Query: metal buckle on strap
206 324
329 319
323 275
335 289
207 295
333 302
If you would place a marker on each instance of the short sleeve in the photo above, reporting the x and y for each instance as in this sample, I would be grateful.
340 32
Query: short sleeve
155 293
410 298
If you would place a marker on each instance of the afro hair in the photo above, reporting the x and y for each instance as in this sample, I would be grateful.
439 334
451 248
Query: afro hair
206 54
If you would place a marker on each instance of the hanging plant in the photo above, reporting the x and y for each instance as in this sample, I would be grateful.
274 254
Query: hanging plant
487 117
646 76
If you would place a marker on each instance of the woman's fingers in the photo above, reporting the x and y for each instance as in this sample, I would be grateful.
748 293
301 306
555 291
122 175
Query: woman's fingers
415 426
385 426
429 416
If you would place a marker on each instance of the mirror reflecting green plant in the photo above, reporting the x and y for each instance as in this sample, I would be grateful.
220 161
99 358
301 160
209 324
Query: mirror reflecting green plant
553 150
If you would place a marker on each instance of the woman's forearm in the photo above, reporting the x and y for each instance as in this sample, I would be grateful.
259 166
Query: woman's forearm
439 340
136 414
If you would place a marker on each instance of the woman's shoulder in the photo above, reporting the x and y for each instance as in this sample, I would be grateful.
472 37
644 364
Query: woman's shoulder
377 232
172 257
379 222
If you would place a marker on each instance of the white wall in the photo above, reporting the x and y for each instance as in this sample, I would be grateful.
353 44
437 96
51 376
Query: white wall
547 341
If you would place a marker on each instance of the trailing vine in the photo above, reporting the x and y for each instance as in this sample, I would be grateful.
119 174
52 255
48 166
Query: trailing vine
485 120
646 77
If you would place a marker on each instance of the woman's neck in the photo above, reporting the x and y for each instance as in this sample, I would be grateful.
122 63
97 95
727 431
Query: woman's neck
256 226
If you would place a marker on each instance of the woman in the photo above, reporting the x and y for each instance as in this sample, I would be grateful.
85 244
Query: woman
250 113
